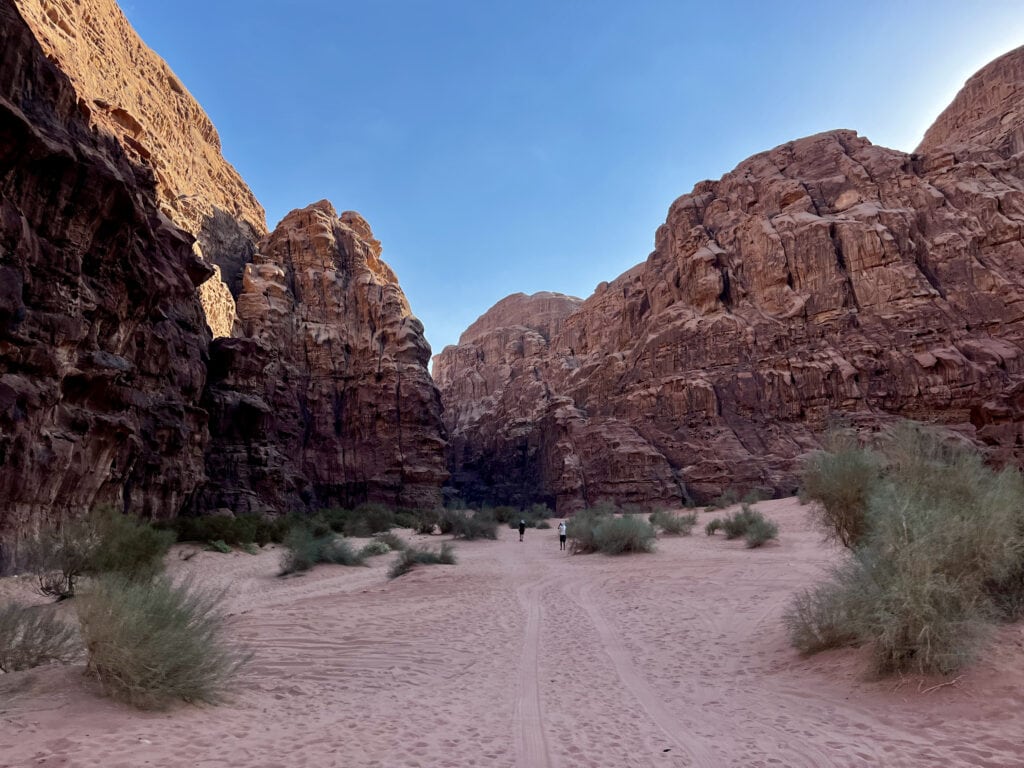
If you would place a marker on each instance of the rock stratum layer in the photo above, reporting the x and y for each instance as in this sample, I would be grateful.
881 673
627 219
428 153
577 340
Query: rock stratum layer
102 340
326 401
125 89
825 277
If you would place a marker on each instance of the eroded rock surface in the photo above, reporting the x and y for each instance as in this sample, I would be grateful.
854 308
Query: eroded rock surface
326 400
103 345
127 90
825 277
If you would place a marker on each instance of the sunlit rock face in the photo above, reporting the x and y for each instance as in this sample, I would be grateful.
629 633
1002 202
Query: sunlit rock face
103 344
826 278
128 91
326 399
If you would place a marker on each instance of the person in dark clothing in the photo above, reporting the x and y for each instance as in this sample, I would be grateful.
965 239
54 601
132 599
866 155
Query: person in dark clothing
522 529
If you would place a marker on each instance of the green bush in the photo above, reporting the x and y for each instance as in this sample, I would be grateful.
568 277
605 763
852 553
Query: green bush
393 541
505 515
840 480
60 557
32 636
465 525
427 520
413 556
759 531
594 530
218 546
712 527
673 525
544 525
374 548
150 643
303 550
937 560
407 519
367 519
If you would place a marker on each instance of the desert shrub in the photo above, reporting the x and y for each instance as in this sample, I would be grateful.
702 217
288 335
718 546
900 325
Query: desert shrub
823 617
303 550
582 529
60 557
231 530
218 545
428 519
735 525
839 481
250 548
413 556
618 535
465 525
936 561
633 509
712 527
150 643
673 525
544 525
727 498
755 495
367 519
505 514
374 548
392 540
539 512
595 530
406 519
32 636
759 531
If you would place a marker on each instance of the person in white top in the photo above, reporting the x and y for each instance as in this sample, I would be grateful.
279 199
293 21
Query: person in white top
562 528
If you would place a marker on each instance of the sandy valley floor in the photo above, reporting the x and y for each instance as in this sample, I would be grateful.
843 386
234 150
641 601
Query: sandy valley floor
523 656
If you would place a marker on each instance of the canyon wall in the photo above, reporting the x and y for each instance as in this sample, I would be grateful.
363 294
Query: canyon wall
103 344
825 279
128 91
326 400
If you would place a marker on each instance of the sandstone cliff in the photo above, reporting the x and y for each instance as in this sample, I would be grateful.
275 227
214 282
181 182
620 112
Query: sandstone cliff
825 277
102 339
128 91
327 399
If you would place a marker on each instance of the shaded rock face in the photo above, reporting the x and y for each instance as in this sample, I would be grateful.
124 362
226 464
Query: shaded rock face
128 91
103 345
825 278
326 400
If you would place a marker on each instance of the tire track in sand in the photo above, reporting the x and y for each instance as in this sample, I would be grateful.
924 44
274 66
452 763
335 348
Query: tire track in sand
691 745
531 741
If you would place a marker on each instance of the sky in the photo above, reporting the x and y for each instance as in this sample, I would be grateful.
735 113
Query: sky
497 147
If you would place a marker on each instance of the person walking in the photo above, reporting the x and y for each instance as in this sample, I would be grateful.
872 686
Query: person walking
522 529
562 532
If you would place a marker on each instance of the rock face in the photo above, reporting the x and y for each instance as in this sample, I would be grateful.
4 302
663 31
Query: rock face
827 277
326 400
103 345
127 90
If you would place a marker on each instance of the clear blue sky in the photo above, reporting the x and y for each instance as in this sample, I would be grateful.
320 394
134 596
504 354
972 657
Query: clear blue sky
497 147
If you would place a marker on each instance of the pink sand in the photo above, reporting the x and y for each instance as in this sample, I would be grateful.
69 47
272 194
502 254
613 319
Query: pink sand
521 655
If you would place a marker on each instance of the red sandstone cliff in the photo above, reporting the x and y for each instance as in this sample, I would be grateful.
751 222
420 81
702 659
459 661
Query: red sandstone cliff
825 277
128 91
102 339
326 400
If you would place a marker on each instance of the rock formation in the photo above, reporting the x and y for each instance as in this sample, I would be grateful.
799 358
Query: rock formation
326 400
825 278
103 345
127 90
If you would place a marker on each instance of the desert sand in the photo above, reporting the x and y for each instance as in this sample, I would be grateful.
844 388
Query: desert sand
522 655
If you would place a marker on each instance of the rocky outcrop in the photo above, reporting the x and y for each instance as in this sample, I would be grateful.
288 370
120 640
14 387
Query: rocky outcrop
128 91
326 400
102 340
825 278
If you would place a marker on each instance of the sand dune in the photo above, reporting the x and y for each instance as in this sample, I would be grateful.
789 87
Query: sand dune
523 656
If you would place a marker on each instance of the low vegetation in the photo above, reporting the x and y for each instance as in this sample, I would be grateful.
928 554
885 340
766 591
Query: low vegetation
105 541
303 549
673 525
31 636
468 525
151 643
748 524
374 548
597 530
412 557
936 551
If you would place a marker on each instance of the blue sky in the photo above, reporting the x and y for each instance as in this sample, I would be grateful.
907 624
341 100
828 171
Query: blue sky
497 147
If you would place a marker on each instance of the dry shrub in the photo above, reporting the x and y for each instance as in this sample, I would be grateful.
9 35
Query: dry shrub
595 530
34 635
303 550
153 643
673 525
936 562
412 557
